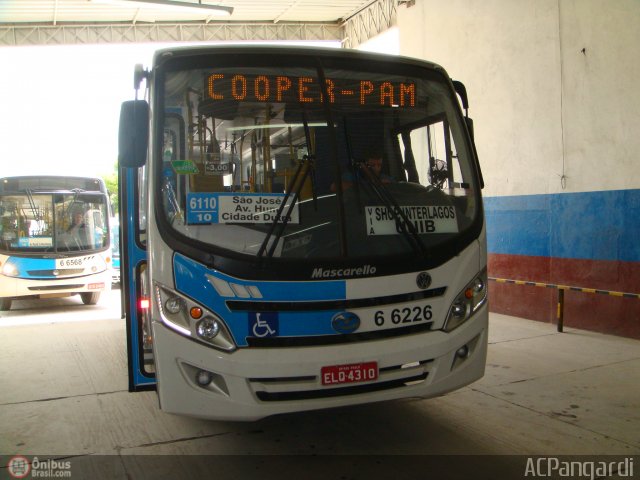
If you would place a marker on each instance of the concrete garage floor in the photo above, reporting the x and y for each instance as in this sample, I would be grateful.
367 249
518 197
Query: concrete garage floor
63 395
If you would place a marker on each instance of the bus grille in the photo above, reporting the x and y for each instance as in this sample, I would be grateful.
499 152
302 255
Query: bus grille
284 389
56 287
316 305
314 341
61 272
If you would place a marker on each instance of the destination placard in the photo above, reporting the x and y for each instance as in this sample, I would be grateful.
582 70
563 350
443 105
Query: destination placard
426 219
221 208
33 242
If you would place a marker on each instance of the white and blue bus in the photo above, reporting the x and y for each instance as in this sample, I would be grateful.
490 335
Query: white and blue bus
54 238
115 250
302 229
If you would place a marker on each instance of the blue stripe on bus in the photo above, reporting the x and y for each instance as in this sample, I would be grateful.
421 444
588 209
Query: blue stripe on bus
191 279
272 291
601 225
26 264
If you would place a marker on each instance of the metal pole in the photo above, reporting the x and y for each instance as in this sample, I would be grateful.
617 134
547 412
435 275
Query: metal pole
560 313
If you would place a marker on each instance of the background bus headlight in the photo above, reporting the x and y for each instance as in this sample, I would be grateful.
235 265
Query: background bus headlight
192 319
467 302
10 270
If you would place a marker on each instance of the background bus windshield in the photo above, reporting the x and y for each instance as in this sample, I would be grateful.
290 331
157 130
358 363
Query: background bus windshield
53 222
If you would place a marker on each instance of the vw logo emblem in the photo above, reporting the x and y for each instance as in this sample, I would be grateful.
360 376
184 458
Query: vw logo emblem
345 322
423 280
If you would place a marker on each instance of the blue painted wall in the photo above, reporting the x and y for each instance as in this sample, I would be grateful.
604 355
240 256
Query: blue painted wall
601 225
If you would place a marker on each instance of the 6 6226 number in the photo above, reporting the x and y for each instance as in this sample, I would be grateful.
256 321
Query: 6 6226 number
398 316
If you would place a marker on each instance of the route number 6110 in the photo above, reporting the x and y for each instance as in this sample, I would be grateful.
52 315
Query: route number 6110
202 203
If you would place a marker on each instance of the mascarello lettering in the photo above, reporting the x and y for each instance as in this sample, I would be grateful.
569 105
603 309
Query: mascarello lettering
343 272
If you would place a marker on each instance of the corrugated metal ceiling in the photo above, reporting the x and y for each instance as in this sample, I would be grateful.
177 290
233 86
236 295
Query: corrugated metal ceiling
55 12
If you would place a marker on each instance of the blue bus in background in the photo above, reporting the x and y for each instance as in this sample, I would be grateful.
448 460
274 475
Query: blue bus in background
115 251
54 238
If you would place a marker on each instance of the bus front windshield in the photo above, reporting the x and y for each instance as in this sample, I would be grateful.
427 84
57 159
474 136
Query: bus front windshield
345 160
53 222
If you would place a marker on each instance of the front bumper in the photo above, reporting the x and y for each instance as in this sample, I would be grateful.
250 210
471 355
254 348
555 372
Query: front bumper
252 383
19 287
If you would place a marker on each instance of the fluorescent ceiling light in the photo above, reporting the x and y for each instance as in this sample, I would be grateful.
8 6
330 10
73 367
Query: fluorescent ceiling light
275 125
174 6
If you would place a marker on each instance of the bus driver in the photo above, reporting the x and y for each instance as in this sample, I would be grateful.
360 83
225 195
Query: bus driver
373 169
78 229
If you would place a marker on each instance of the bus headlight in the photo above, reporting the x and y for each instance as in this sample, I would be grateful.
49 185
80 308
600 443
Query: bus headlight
207 328
174 305
470 299
192 320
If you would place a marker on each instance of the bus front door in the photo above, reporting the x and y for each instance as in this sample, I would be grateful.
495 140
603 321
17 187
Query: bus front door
134 284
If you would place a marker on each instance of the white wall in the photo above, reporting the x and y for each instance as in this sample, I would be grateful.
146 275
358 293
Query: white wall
542 107
601 93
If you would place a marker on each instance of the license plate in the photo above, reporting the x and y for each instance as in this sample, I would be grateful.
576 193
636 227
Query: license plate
355 372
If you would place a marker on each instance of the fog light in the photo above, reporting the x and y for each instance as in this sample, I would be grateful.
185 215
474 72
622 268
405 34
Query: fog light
203 378
207 328
462 352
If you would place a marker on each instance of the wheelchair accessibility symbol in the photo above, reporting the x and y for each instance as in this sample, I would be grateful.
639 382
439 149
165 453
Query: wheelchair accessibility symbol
263 324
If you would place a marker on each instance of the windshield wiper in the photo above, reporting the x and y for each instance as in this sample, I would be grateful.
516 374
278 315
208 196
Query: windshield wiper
406 227
361 170
305 167
76 192
352 165
32 204
280 221
333 149
309 163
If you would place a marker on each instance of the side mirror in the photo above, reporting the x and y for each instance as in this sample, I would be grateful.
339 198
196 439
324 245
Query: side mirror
469 122
461 90
133 135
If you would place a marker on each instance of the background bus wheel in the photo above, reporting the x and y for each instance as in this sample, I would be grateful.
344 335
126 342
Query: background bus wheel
90 298
5 304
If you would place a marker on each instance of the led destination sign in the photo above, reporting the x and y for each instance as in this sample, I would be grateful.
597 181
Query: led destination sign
265 88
